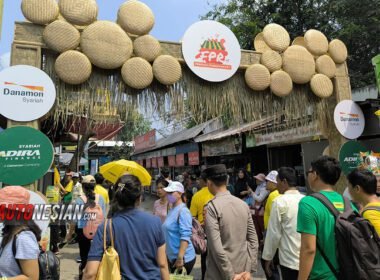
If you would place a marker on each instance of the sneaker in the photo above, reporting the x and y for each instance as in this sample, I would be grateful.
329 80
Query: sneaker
79 260
62 245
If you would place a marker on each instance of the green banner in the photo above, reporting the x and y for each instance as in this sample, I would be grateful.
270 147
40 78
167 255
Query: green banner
349 156
26 154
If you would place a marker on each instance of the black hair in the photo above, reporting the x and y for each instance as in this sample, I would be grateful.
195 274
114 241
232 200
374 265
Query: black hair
288 174
89 192
203 176
328 169
99 178
162 182
219 180
13 227
165 172
363 178
127 191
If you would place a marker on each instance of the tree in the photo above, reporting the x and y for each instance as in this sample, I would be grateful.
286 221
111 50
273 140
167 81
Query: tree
358 25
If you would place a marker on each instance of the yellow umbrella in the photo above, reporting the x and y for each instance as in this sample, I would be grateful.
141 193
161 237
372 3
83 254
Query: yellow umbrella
377 113
112 171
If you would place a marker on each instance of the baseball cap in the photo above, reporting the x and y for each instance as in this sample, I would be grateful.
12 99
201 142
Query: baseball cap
260 177
14 195
89 179
175 187
272 176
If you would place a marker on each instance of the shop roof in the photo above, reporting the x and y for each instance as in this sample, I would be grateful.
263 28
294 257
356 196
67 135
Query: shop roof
217 135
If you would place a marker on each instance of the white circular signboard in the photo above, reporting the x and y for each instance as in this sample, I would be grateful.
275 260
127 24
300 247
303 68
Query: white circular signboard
211 51
26 93
349 119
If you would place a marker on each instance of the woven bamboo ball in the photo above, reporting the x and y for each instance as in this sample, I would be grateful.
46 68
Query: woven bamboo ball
299 41
280 83
257 77
147 47
79 12
321 86
276 37
260 44
73 67
316 42
299 64
137 73
167 70
135 17
61 36
338 51
325 65
40 11
106 44
271 60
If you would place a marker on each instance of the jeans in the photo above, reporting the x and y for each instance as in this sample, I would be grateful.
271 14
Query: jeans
288 273
203 264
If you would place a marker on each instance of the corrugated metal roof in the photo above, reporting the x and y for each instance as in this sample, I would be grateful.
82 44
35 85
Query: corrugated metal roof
216 135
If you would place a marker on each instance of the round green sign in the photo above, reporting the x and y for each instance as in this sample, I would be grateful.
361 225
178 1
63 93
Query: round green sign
349 156
26 154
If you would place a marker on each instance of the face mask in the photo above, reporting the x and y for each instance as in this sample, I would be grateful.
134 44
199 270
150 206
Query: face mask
172 199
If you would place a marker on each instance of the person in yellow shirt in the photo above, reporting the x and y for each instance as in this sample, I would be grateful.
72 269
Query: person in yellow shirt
271 179
99 189
362 188
198 203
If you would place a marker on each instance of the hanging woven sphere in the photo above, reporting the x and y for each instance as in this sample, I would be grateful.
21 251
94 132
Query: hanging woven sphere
280 83
276 37
40 11
316 42
259 43
167 70
79 12
147 47
73 67
338 51
135 17
137 73
299 64
325 65
61 36
106 44
257 77
299 41
321 86
271 60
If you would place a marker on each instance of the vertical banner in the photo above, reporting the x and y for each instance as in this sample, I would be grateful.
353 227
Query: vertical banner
148 163
154 162
194 158
172 161
180 160
160 162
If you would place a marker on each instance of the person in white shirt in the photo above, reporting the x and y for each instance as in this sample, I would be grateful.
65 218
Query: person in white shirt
282 232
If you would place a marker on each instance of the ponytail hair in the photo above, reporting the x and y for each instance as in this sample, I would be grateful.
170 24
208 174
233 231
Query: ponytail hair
89 192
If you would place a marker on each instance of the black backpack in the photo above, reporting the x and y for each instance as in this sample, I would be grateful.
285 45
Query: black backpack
48 263
358 245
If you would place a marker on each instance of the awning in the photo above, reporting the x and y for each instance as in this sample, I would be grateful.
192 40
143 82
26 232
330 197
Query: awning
217 135
65 159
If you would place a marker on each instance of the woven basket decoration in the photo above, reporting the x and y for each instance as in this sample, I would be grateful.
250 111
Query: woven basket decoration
61 36
326 66
106 44
338 51
137 73
73 67
260 44
79 12
321 86
147 47
257 77
276 37
40 11
271 60
135 17
299 64
167 70
316 42
299 41
280 83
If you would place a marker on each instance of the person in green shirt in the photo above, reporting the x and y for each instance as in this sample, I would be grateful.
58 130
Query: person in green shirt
317 224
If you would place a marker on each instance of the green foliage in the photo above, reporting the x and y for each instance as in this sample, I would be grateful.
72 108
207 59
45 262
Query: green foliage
357 24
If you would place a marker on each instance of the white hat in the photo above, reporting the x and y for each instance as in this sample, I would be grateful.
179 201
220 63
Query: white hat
175 187
272 176
75 175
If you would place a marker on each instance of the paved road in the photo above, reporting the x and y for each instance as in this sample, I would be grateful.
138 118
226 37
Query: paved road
69 267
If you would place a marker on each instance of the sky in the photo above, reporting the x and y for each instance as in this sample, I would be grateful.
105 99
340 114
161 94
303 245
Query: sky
173 17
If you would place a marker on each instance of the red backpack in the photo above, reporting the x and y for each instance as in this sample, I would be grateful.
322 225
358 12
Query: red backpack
94 217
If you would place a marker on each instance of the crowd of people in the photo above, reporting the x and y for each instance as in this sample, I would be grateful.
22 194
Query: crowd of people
242 219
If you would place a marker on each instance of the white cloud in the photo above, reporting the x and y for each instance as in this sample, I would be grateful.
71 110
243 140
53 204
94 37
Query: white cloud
5 60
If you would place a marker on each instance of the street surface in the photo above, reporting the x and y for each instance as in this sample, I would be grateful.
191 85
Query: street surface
69 267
